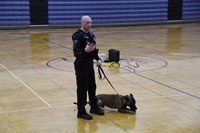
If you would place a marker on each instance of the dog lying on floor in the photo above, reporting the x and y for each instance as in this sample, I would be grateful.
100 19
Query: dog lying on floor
119 102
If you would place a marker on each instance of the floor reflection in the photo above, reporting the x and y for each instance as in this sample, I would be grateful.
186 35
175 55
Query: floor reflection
119 122
174 39
86 126
39 47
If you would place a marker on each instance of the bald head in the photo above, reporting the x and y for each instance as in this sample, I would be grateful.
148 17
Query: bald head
86 23
85 18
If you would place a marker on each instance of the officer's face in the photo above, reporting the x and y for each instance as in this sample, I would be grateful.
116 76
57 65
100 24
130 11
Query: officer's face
86 24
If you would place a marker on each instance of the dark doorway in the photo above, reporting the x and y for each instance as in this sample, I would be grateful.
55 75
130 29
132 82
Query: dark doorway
175 9
38 12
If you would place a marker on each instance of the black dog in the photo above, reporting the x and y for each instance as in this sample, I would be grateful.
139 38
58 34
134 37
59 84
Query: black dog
118 102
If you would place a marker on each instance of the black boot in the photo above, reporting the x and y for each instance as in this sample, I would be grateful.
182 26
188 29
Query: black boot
96 110
84 115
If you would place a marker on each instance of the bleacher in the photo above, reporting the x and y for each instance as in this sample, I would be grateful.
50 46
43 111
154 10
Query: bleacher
14 13
191 9
105 12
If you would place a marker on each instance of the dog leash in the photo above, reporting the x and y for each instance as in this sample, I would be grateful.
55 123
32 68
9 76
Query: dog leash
100 72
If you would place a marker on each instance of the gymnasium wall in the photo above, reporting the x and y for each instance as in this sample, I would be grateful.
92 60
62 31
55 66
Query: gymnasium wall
191 9
14 12
103 12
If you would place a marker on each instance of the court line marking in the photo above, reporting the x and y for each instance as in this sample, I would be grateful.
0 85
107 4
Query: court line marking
32 109
168 86
72 105
27 86
118 125
148 47
156 97
163 96
181 54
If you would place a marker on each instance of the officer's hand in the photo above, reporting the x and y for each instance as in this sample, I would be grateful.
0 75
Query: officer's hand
99 63
89 47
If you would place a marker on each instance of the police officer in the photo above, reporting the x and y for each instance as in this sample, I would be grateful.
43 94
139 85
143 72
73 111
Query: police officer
84 48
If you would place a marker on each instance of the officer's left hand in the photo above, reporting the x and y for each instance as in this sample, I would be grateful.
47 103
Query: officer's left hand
89 47
99 63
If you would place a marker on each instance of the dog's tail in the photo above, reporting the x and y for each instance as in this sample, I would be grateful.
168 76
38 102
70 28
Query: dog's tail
77 103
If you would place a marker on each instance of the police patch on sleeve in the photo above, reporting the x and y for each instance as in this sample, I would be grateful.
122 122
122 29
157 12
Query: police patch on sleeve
75 41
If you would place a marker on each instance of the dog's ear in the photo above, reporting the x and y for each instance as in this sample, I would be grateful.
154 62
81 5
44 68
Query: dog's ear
131 94
132 97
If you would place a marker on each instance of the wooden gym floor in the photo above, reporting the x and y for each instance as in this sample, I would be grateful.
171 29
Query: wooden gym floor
159 65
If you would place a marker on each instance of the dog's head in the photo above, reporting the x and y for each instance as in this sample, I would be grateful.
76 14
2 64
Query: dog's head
130 101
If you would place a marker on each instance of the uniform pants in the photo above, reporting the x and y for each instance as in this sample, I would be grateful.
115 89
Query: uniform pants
85 81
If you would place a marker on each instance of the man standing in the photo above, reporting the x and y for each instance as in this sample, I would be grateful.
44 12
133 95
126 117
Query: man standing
84 48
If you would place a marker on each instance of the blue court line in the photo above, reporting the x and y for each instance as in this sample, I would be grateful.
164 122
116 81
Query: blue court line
173 88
